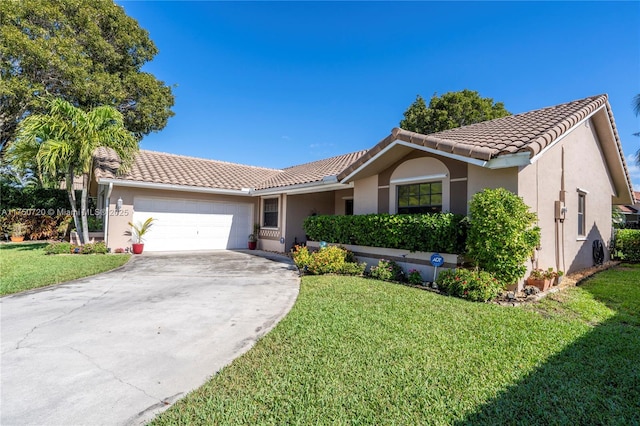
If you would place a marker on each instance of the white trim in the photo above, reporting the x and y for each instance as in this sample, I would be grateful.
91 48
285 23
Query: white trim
415 179
562 136
302 188
383 187
509 160
171 187
474 161
458 180
584 191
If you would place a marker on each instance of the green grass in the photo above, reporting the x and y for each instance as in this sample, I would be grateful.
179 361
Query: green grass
358 351
25 266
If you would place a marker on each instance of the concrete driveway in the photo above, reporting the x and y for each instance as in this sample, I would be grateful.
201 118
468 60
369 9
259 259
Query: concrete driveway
120 347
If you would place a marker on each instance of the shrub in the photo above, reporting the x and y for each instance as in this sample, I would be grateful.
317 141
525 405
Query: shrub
440 232
627 245
38 226
94 248
475 285
387 270
328 260
58 248
414 277
502 235
119 250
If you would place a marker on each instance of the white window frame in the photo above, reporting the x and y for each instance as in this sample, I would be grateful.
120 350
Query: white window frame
429 182
262 218
582 214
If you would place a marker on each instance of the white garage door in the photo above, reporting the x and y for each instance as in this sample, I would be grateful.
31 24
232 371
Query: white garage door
194 225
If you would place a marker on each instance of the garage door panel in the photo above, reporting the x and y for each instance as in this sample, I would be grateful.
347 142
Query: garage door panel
194 224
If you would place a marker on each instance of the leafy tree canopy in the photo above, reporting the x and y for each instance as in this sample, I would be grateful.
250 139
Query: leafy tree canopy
88 52
451 110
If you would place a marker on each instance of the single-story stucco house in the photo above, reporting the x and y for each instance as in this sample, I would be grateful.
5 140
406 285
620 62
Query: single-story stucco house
565 161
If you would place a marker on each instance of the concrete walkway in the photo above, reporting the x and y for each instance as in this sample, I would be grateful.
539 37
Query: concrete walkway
120 347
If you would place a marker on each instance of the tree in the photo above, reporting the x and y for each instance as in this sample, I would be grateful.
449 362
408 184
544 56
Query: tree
88 52
451 110
62 143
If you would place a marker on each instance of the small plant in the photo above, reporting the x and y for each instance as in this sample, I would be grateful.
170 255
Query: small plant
18 229
94 223
119 250
140 229
94 248
475 285
58 248
328 260
387 270
548 274
414 277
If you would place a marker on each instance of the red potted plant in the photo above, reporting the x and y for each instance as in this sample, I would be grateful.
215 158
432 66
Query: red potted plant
542 279
253 238
138 231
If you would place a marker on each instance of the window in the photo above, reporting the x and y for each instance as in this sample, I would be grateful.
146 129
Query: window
348 207
270 213
420 198
582 197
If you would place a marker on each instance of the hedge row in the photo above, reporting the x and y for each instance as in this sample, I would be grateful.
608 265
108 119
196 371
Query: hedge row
440 232
627 245
37 227
33 198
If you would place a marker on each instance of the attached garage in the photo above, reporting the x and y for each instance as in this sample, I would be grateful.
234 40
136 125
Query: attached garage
185 224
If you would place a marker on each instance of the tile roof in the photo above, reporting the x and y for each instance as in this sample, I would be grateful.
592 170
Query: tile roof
311 172
526 132
158 167
627 209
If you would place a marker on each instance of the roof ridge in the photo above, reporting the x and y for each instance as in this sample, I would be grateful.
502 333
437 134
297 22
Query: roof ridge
325 159
209 160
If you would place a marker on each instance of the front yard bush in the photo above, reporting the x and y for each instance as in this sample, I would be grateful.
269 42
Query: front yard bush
59 248
627 245
475 285
38 226
327 260
502 234
439 232
387 270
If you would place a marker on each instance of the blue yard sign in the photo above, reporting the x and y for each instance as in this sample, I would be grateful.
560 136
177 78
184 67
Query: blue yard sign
436 260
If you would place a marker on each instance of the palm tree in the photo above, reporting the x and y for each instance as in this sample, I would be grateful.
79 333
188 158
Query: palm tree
62 142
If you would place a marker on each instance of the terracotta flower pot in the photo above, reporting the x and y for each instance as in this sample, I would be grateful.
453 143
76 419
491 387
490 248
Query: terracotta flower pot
17 239
543 285
137 248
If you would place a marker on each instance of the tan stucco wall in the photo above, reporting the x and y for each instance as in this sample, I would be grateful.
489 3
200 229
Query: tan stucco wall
340 198
481 178
365 195
416 167
299 207
540 185
118 221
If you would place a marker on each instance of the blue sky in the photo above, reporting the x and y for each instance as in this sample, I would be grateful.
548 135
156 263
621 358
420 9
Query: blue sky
280 84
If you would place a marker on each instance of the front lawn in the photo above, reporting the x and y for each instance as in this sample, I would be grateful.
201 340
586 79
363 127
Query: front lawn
25 266
359 351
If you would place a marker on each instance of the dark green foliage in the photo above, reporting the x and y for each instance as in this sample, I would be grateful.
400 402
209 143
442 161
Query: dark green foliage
440 232
475 285
451 110
502 235
88 52
32 197
59 248
627 245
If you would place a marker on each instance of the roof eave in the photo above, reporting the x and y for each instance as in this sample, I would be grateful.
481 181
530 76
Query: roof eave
172 187
328 183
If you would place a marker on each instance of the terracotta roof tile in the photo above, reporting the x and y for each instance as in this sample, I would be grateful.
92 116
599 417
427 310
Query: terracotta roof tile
159 167
527 132
311 172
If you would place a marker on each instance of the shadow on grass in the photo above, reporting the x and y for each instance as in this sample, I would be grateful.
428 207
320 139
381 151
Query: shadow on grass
595 380
25 246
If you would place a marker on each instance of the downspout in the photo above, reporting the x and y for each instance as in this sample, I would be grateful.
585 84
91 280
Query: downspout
108 213
560 218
